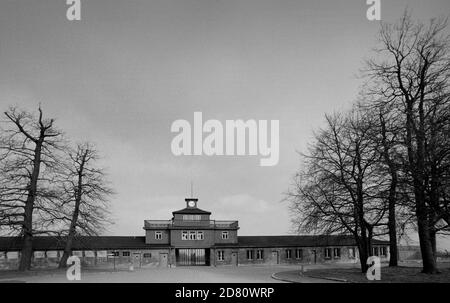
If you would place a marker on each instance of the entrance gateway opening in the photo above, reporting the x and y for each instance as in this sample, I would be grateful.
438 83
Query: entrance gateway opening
192 256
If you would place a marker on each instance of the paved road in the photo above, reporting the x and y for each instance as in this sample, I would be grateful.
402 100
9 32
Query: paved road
242 274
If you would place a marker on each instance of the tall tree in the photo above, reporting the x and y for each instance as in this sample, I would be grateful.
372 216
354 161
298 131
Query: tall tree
412 70
31 146
392 166
386 133
338 189
85 197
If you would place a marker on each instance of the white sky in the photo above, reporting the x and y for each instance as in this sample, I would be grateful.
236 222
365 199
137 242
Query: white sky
128 69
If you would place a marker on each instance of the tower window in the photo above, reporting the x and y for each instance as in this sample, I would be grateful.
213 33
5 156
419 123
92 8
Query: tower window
192 235
224 235
184 235
200 235
192 217
158 235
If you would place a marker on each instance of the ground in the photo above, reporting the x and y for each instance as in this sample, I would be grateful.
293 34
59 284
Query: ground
203 274
405 273
320 273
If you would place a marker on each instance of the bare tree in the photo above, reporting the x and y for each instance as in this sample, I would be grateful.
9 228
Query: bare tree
85 197
387 147
387 134
338 190
411 73
30 147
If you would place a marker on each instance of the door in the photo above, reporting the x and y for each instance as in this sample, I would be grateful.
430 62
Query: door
234 259
315 255
274 259
163 257
136 259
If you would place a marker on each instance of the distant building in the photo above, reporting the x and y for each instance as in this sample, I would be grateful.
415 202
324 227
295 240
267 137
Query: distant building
409 252
192 238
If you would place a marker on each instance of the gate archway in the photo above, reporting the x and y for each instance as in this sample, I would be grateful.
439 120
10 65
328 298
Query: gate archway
192 256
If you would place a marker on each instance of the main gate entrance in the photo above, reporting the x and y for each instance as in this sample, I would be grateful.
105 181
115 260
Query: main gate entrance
192 256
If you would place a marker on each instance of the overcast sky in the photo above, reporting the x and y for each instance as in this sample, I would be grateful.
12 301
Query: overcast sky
128 69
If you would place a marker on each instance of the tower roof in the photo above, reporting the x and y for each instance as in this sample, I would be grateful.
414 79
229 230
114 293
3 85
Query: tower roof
192 210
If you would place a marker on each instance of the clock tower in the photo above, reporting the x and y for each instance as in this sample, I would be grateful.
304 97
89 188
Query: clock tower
191 202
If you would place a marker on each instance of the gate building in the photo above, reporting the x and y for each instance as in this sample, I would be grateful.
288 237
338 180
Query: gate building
191 238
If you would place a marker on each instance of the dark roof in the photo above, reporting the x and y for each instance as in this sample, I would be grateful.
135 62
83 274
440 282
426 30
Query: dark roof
120 242
192 210
304 241
80 243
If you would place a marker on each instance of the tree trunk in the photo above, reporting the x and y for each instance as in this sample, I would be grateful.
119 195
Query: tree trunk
67 253
392 199
369 240
429 263
425 239
73 223
71 235
363 250
27 228
363 256
416 164
26 252
392 225
393 249
433 243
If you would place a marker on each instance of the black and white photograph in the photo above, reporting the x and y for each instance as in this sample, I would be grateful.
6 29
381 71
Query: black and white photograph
224 149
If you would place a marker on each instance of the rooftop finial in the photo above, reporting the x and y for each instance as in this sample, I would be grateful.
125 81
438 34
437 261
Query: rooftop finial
191 202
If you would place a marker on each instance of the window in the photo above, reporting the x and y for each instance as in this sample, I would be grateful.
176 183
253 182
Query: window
351 252
299 253
192 235
192 217
288 254
336 253
260 254
158 235
115 253
327 253
147 255
383 251
375 251
224 235
220 255
125 253
12 255
249 254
